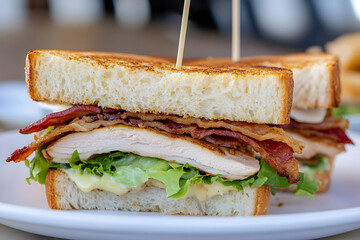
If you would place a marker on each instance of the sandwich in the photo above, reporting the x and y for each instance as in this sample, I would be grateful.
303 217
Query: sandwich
347 48
316 92
141 135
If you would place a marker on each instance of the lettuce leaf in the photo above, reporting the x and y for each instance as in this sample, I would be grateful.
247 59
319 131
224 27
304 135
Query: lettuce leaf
39 167
311 169
345 110
132 170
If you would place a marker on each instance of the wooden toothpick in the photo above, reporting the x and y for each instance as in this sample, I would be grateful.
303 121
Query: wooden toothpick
235 30
182 37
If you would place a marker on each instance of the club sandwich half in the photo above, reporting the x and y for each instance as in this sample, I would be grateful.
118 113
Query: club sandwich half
316 91
141 135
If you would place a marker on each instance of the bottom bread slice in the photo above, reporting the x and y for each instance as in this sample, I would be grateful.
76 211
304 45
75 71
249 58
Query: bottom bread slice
62 193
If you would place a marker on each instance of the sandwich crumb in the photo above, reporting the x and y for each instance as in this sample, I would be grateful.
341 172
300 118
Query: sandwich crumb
280 204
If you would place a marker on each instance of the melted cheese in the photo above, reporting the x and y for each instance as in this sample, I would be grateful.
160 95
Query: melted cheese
308 115
89 182
204 192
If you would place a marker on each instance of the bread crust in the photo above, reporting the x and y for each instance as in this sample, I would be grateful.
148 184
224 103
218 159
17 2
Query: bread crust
29 76
262 202
56 178
209 91
50 188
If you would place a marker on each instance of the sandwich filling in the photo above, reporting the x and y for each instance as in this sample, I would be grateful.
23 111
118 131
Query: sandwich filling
199 151
323 140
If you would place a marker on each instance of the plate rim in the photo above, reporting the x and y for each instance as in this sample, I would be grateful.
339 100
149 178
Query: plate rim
200 224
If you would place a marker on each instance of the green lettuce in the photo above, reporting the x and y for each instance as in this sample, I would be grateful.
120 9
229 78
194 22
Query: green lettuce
132 170
345 110
311 169
39 167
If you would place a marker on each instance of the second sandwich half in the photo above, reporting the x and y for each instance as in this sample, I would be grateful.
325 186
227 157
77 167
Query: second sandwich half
143 136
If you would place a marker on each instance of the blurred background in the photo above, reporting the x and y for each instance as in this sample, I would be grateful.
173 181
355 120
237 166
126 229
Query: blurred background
151 27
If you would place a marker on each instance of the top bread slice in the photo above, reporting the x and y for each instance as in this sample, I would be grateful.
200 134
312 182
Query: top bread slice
153 84
316 75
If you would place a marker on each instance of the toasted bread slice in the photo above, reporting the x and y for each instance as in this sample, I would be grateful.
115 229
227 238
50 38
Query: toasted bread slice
350 86
153 84
316 75
62 193
347 47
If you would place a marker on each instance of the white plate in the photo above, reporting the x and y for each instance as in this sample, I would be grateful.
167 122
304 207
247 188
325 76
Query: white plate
24 207
354 122
14 96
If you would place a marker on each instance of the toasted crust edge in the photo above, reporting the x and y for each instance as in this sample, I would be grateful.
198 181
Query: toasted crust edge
335 84
29 77
263 200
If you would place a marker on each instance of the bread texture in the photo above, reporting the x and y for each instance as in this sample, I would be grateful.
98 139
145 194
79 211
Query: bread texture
62 193
153 84
316 75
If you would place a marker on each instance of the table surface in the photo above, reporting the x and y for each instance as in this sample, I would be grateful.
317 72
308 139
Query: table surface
154 40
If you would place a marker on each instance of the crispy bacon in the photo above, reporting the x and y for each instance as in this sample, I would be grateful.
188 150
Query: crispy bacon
338 135
331 128
274 145
329 123
277 154
21 153
259 132
62 117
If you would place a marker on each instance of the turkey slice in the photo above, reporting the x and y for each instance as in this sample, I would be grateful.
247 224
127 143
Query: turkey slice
316 146
151 143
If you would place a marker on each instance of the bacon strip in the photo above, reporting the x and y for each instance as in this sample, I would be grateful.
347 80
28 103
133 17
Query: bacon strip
338 135
21 153
331 128
272 143
259 132
277 154
328 123
62 117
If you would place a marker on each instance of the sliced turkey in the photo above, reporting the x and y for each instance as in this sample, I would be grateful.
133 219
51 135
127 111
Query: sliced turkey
231 164
317 146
